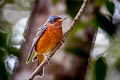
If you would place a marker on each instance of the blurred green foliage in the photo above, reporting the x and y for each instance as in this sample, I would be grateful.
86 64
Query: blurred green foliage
79 26
5 50
105 24
104 21
6 45
100 69
100 2
24 4
3 73
77 44
4 2
96 19
77 51
72 9
73 6
113 54
9 1
117 64
110 6
55 1
3 39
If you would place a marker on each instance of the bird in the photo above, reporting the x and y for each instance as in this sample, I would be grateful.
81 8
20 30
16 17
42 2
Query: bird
47 37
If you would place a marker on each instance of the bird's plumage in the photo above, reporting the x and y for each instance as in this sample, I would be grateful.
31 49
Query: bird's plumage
46 39
45 44
38 35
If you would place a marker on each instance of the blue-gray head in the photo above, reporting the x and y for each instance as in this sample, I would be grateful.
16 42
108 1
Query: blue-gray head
53 19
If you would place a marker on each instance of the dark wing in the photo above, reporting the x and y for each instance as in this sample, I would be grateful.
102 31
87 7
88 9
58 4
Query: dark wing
37 37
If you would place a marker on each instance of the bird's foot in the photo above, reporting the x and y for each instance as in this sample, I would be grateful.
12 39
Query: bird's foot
47 58
61 42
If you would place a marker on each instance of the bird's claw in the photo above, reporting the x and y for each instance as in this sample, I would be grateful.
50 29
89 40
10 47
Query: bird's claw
47 59
61 42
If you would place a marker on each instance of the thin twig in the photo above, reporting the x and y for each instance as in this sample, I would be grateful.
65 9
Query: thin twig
75 20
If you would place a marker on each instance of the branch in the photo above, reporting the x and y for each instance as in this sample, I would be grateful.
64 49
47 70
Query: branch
75 20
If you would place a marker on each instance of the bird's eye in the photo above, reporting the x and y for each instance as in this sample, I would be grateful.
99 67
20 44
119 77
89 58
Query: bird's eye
55 20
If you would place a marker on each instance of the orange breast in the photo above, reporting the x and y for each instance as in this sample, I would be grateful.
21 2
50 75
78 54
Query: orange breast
48 40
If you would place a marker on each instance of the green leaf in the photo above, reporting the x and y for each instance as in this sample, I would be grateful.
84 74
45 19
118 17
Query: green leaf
9 1
110 6
100 69
76 51
100 2
80 25
105 24
55 1
3 38
33 54
117 64
11 50
3 72
73 6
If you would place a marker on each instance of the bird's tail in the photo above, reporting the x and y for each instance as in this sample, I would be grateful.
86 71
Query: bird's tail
40 60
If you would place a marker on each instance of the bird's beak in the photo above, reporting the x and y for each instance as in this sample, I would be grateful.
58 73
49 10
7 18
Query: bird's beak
63 19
